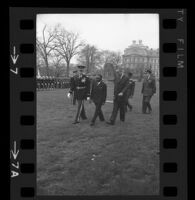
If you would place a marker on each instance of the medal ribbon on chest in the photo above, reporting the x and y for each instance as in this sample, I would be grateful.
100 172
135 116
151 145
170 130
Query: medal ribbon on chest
83 80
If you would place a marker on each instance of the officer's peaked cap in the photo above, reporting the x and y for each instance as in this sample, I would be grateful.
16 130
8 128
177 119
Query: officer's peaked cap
81 66
148 71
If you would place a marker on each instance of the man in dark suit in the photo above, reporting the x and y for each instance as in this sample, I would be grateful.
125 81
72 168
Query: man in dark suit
130 91
81 89
98 96
148 90
120 86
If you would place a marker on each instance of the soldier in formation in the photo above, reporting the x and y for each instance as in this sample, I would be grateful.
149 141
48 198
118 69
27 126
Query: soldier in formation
50 83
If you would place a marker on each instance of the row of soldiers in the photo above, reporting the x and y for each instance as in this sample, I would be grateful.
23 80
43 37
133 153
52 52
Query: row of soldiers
47 83
82 88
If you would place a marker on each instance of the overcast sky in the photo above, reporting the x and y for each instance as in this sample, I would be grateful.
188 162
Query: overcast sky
108 31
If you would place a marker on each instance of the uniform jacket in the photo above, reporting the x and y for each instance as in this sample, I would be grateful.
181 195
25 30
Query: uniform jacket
149 86
121 85
81 87
98 92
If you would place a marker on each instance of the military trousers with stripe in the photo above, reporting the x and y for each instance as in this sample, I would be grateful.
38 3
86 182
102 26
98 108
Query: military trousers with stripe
80 111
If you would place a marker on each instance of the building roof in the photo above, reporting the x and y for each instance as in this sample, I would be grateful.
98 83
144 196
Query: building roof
140 49
136 51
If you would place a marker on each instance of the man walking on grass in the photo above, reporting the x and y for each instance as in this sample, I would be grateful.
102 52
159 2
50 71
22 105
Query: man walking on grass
81 88
120 86
98 96
148 90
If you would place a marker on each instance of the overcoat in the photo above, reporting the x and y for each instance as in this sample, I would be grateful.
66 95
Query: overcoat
99 92
149 86
121 85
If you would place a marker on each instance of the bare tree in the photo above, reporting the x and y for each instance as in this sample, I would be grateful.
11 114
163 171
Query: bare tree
67 45
45 45
90 57
57 63
112 57
116 58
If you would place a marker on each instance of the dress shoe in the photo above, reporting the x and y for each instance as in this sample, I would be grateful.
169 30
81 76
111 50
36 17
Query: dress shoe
76 122
92 124
110 123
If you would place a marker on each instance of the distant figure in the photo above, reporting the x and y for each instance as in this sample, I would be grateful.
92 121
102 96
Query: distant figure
81 89
148 90
98 96
72 79
130 92
120 86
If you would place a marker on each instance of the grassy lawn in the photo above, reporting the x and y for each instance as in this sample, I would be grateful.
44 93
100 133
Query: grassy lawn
100 160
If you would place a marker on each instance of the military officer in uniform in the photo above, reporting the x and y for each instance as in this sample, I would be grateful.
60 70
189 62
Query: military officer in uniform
38 83
120 86
72 79
53 82
43 82
49 82
46 82
98 96
148 90
81 89
130 91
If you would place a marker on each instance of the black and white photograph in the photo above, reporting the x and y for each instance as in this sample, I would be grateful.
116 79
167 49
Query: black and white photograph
98 128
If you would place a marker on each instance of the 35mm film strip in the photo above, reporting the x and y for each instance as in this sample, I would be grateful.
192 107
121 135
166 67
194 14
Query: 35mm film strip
172 94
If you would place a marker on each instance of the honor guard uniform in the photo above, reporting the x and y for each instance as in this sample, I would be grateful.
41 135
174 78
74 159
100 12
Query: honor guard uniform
52 82
46 82
38 82
41 82
58 83
81 88
49 82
